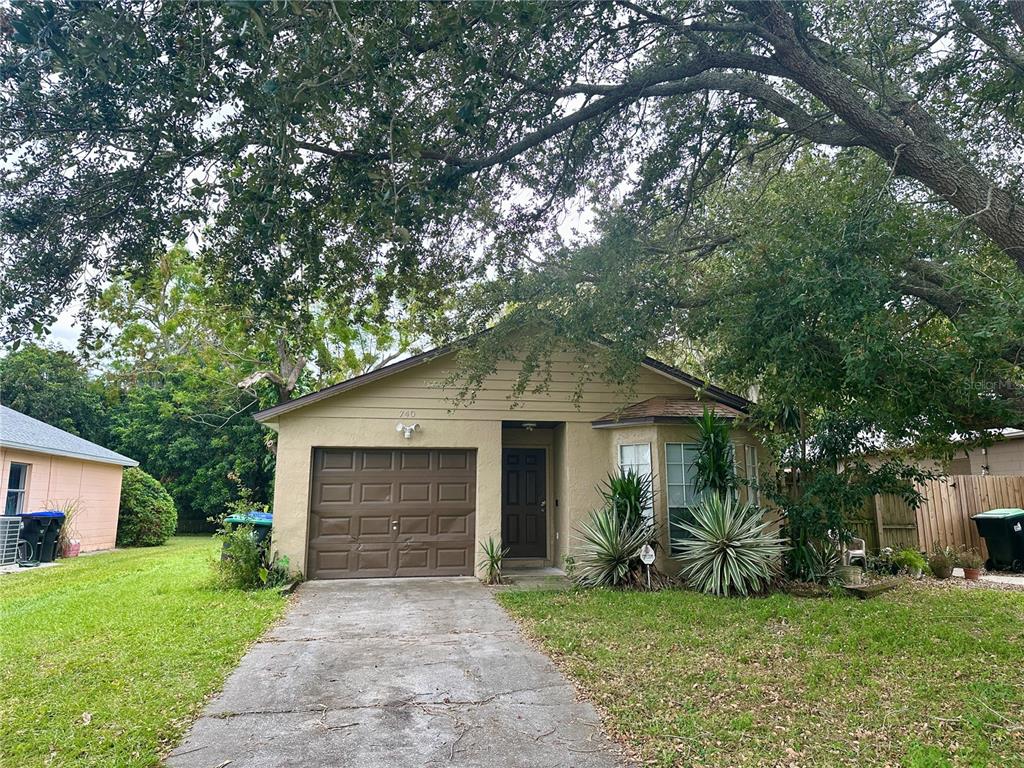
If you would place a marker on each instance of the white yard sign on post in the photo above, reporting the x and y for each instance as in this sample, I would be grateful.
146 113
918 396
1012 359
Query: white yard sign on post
647 558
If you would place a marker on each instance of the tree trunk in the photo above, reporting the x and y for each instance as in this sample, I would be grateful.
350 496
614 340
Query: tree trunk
915 145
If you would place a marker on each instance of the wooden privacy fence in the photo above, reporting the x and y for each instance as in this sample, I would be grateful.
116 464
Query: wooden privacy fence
943 517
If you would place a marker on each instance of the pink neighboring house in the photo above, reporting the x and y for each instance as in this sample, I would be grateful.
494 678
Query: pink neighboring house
42 467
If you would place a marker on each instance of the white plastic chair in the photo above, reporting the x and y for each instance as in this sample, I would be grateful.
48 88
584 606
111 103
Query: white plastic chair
855 549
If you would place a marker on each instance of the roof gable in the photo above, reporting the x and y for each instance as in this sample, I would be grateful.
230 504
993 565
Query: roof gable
708 392
25 433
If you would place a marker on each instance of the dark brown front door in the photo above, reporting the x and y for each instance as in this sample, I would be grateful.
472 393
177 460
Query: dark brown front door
523 502
391 513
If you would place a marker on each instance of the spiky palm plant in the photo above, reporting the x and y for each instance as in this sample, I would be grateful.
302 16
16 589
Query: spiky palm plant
629 493
611 549
715 465
730 551
490 562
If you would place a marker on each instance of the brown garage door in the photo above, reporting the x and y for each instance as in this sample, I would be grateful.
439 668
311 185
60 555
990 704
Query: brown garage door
391 513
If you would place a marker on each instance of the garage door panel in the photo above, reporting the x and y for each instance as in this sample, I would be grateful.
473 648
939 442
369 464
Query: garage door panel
331 493
374 493
458 525
377 460
337 459
372 559
453 491
332 526
414 558
381 512
413 524
410 493
456 557
374 525
453 459
410 460
333 561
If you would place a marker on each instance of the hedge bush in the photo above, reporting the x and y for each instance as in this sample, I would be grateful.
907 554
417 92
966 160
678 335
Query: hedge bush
148 517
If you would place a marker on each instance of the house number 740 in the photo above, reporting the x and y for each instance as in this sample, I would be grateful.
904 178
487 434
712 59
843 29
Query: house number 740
407 414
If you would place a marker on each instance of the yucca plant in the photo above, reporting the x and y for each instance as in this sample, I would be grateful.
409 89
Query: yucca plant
629 494
815 561
611 549
715 465
490 562
729 551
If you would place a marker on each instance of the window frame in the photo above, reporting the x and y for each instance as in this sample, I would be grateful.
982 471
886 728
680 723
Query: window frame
688 503
635 466
669 485
750 473
20 492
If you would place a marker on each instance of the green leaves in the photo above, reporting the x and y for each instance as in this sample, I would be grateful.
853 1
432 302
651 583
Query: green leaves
147 517
492 554
716 456
729 551
629 494
610 549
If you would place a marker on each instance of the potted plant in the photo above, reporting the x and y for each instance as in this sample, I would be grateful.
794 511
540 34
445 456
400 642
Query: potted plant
911 562
941 561
971 561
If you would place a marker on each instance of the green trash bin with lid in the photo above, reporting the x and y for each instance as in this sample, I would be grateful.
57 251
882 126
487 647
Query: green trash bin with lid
261 523
1003 532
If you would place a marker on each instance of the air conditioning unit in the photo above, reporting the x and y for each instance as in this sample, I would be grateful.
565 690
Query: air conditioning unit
10 525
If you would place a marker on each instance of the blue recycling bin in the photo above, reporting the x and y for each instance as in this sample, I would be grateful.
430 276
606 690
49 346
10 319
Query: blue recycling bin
40 530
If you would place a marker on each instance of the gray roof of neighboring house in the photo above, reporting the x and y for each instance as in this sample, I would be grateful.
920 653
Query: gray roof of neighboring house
25 433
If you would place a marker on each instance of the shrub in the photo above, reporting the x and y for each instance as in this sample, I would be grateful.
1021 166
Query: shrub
68 531
941 561
629 494
817 562
970 558
148 517
610 554
490 563
246 563
814 562
909 561
730 551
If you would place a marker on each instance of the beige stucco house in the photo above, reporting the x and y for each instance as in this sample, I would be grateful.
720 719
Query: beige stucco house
44 467
382 475
1004 457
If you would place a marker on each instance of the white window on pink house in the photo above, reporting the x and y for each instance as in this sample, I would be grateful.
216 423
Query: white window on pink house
17 482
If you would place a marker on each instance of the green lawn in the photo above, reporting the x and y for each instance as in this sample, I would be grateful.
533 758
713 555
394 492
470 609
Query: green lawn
925 676
105 660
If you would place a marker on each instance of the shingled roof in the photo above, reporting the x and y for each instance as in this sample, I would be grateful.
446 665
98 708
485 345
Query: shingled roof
664 409
27 434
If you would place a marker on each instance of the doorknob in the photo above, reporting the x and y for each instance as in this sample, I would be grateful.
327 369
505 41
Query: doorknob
394 525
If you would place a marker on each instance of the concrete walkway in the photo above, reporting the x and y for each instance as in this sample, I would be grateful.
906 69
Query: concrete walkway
395 672
1009 579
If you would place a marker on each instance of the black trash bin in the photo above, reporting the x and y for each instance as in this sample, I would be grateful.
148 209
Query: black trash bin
1003 532
40 530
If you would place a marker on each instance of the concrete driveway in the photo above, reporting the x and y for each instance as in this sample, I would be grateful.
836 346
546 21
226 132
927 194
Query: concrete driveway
390 673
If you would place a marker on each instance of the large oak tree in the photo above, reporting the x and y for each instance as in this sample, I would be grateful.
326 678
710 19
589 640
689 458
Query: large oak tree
364 145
